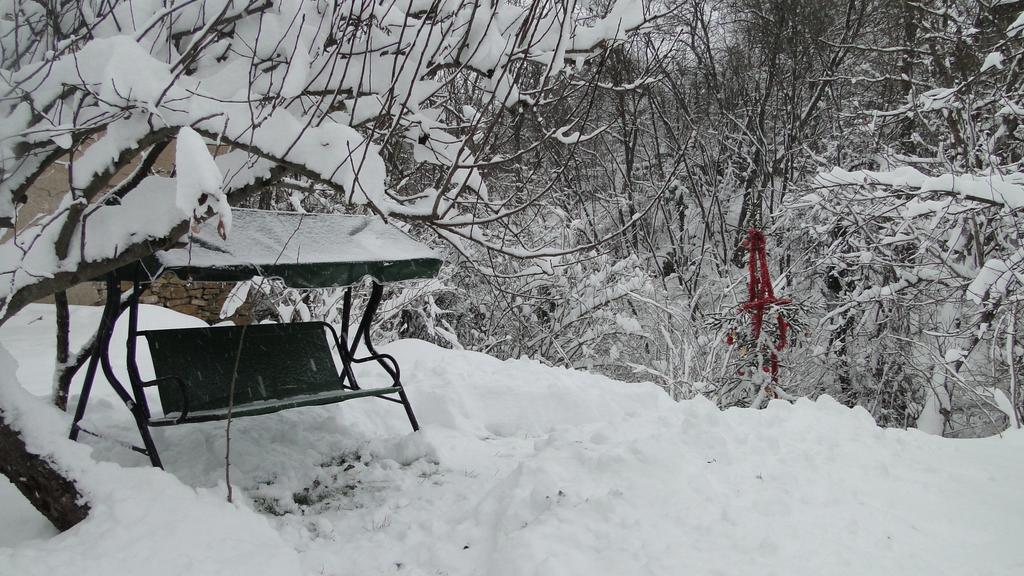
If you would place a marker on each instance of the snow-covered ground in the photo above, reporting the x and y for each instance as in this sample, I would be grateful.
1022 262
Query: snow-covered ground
519 469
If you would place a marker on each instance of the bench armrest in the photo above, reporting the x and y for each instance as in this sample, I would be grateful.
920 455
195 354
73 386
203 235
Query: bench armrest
182 387
380 358
383 360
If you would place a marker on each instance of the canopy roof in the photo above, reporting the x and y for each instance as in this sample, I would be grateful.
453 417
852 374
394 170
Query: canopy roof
303 250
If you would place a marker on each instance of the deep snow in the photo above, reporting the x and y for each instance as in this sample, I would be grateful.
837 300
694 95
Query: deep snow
519 469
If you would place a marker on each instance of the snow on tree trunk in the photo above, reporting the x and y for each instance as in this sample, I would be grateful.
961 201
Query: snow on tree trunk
46 486
47 489
931 419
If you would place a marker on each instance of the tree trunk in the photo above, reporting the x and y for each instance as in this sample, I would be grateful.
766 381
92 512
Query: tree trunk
63 382
55 496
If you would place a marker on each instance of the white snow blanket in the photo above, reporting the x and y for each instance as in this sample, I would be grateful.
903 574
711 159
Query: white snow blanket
520 469
264 238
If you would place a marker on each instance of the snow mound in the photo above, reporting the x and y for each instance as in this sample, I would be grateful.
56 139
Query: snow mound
140 517
524 469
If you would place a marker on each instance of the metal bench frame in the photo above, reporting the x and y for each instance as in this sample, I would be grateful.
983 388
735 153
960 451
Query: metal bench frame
136 401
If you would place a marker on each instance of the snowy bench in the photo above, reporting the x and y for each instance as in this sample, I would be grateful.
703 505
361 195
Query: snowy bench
274 366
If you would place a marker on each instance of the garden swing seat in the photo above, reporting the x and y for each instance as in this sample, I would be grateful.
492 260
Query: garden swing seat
219 372
280 366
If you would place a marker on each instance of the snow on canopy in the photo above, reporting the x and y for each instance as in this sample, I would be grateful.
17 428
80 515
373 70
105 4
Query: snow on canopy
304 250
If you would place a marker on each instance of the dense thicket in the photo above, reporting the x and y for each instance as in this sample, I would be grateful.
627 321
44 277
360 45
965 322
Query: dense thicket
877 143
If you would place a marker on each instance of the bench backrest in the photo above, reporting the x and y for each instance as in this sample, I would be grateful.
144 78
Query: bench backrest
277 361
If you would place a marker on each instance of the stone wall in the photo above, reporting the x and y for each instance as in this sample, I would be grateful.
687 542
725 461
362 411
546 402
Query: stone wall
200 299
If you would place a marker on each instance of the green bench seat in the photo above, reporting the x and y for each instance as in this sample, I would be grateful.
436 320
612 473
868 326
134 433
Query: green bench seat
279 366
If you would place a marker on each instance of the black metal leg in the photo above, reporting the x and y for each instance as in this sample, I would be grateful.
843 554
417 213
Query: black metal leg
83 399
363 333
131 345
140 407
408 410
346 365
110 310
346 312
342 340
101 356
